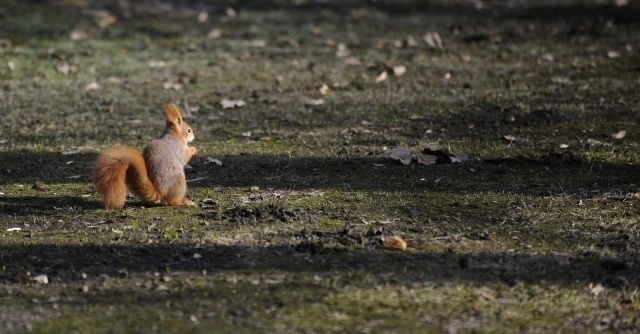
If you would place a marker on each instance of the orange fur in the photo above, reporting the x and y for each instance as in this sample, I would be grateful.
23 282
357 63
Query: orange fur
120 166
156 175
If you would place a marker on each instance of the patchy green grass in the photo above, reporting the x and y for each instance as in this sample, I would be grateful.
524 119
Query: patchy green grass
539 234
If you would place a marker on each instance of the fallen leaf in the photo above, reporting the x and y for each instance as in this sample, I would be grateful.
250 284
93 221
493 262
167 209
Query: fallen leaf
230 104
394 242
342 50
314 102
115 80
92 86
197 256
619 135
77 35
403 154
42 279
157 63
399 70
508 138
65 68
230 12
104 19
317 31
426 159
613 54
172 85
14 229
40 186
214 161
596 289
381 77
447 76
258 43
433 40
324 89
203 17
353 61
291 42
215 33
410 42
564 146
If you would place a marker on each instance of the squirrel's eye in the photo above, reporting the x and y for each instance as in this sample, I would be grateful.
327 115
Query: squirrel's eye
189 130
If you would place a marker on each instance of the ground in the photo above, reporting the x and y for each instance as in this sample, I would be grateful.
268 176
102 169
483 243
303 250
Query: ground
536 231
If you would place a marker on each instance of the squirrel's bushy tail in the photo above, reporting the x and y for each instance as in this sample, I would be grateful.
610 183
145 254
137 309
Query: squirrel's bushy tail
118 167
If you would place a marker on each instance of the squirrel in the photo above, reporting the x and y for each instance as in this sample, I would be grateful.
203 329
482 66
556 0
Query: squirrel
156 175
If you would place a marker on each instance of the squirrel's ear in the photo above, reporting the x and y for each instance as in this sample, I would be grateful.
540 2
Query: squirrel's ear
172 114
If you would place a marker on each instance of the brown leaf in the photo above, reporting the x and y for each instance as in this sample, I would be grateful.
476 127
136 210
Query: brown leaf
77 35
399 70
92 86
426 159
508 138
596 289
215 33
353 61
382 76
317 31
230 104
104 19
394 242
203 17
433 40
619 135
324 89
613 54
291 42
400 153
39 186
172 85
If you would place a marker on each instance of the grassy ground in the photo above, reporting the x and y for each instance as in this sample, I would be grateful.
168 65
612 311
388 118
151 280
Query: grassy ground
537 234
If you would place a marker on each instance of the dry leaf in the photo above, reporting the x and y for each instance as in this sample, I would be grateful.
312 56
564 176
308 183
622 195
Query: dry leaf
426 159
42 279
410 42
399 70
214 161
104 19
66 69
447 76
40 186
77 35
394 242
508 138
14 229
291 42
353 61
314 102
11 64
230 12
215 33
433 40
157 63
172 85
381 77
203 17
403 154
596 289
342 50
613 54
324 89
564 146
115 80
230 104
92 86
619 135
316 31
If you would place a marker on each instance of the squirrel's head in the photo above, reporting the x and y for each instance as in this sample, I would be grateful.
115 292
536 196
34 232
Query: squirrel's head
176 124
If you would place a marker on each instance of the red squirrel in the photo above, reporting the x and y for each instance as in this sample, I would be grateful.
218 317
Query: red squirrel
156 175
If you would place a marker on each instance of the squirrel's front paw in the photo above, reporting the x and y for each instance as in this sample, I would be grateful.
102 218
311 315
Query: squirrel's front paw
188 203
192 150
